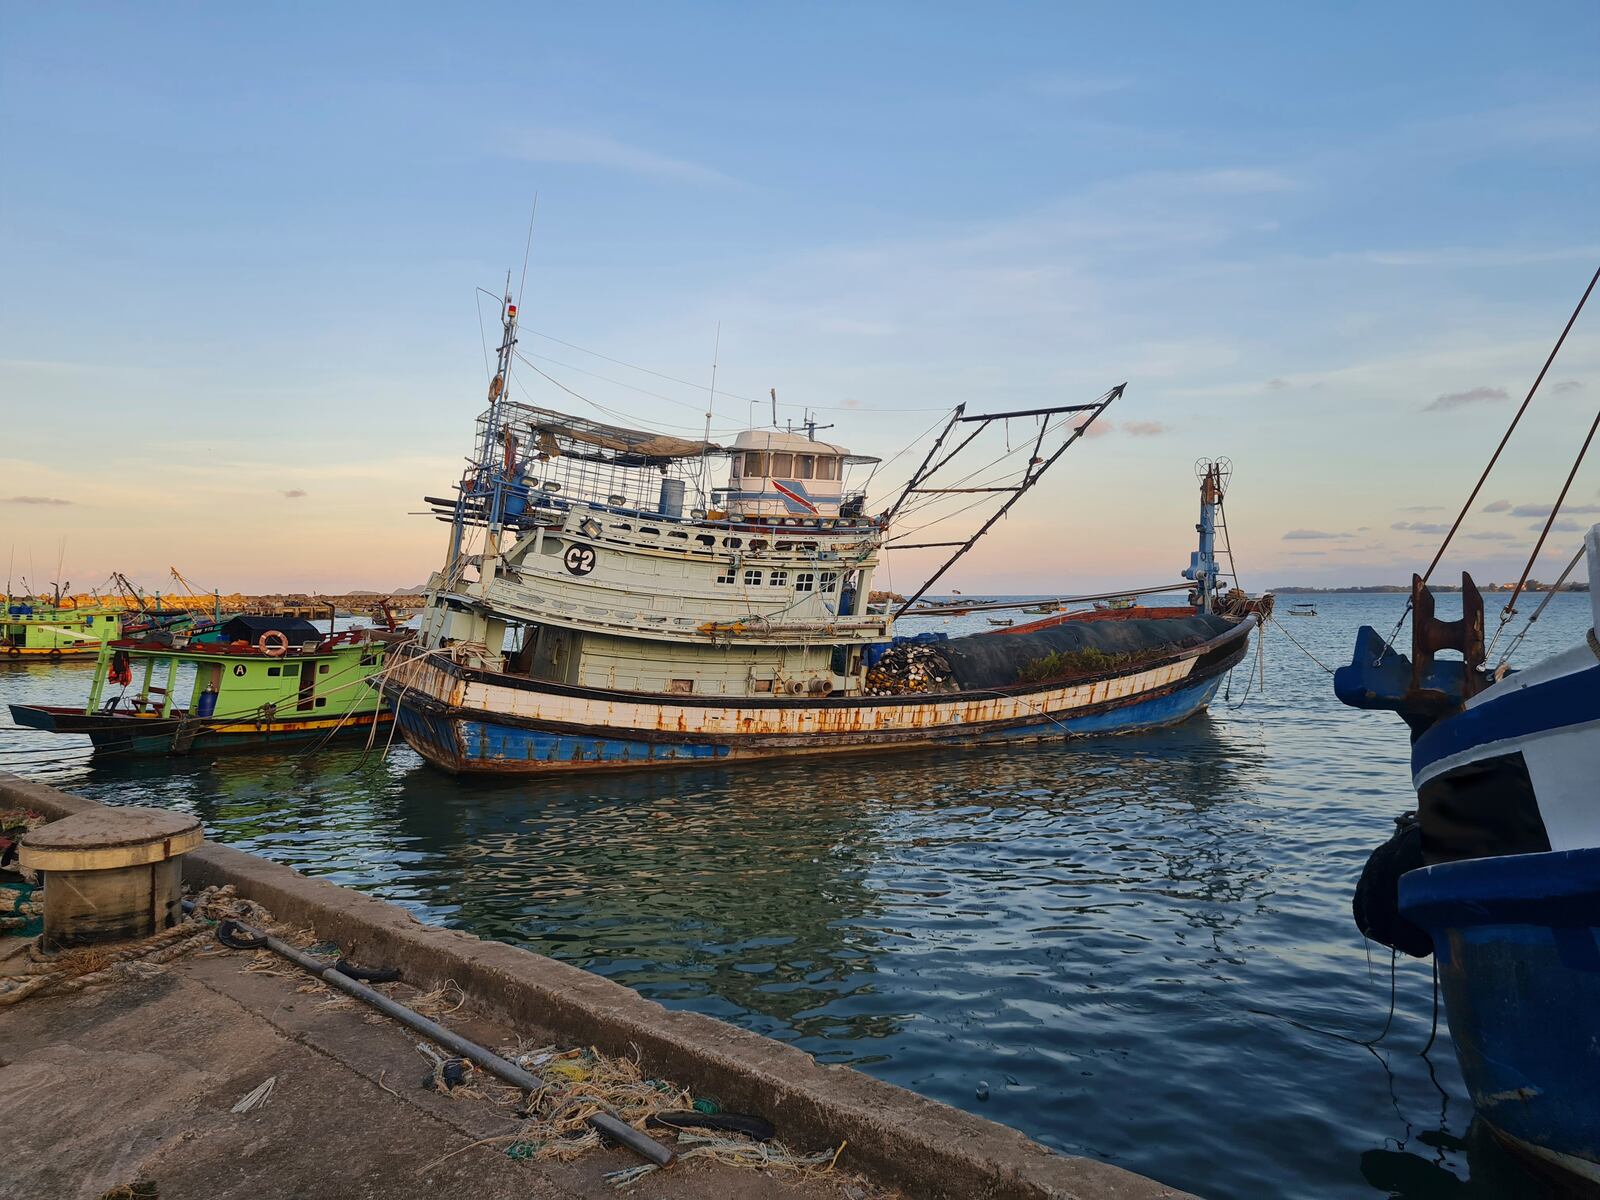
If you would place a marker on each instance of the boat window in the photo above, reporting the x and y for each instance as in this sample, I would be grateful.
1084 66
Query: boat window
830 581
323 669
804 581
804 465
322 702
733 543
778 579
680 685
783 465
752 579
646 529
725 573
758 545
755 463
678 533
761 685
273 671
705 539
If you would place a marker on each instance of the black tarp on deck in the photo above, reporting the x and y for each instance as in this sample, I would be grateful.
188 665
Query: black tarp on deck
250 629
992 660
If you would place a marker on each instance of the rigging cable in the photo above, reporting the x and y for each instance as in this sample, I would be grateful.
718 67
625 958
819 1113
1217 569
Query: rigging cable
701 387
1538 612
1510 609
1495 457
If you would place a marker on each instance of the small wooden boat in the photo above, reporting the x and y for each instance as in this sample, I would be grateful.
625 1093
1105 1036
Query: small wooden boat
1116 604
258 681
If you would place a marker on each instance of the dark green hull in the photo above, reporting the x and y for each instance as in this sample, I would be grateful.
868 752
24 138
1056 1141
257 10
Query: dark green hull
126 734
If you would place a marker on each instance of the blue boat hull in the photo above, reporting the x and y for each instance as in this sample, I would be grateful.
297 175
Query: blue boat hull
1517 940
460 742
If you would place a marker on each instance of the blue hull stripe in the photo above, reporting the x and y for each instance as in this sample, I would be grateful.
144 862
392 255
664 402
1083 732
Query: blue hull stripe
1568 700
475 742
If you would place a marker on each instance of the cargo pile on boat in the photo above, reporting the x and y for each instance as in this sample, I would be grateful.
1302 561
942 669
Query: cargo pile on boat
910 667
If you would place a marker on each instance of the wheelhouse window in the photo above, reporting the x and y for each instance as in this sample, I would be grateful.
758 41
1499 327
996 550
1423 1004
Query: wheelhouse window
827 468
830 581
755 462
725 573
783 466
778 579
752 578
804 581
804 465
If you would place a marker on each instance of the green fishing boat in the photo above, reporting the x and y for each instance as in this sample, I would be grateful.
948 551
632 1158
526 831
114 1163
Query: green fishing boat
35 631
256 682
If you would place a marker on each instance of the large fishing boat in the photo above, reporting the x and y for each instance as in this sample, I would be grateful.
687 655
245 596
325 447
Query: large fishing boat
1497 871
616 597
255 682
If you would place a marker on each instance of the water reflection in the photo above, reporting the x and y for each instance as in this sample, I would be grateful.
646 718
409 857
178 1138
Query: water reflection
1114 936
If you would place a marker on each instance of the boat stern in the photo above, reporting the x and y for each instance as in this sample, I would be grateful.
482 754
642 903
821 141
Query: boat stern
1517 940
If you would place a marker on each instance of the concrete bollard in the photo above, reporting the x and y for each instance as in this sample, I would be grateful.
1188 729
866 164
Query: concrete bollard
110 875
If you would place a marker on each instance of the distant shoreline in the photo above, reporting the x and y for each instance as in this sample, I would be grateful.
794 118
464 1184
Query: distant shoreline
1392 589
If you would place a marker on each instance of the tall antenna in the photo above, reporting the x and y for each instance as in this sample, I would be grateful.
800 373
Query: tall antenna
711 403
526 250
774 408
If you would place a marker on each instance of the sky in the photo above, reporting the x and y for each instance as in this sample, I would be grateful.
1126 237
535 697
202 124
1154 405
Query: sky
240 247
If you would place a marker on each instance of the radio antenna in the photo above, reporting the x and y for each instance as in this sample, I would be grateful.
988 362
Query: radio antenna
526 250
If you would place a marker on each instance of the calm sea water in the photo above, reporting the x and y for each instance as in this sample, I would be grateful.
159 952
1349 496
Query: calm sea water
1122 945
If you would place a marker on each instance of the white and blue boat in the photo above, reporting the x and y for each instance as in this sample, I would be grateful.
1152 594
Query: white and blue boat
617 597
1497 873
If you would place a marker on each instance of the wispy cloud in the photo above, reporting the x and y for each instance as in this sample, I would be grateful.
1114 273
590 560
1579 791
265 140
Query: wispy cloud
1543 510
293 494
1144 428
577 148
1491 535
1312 535
1477 395
36 500
1567 385
1423 508
1076 87
1497 506
1420 527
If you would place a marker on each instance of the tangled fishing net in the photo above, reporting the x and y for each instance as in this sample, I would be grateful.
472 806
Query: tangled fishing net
910 667
36 973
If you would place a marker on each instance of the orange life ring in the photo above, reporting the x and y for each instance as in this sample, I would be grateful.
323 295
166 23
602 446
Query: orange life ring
273 643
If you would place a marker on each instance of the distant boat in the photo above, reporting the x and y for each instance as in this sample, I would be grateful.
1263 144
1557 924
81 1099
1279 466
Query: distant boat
54 632
258 681
1302 610
1039 609
1116 604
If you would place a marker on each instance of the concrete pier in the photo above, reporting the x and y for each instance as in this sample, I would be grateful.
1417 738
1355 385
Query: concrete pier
208 1033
